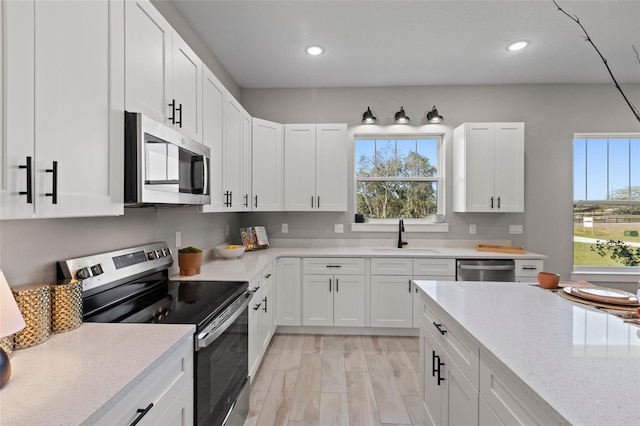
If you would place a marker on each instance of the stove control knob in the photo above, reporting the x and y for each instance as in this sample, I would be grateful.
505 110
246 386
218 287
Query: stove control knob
152 255
165 252
96 269
83 273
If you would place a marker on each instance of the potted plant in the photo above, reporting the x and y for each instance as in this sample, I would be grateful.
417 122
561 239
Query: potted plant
189 260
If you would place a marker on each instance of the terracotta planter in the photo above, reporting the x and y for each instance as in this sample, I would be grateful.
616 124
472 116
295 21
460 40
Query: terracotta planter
189 263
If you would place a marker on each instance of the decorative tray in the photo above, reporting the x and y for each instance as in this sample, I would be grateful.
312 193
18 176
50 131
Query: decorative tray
607 295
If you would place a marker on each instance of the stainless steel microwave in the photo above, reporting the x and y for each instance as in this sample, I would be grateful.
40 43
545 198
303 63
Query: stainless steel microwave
162 166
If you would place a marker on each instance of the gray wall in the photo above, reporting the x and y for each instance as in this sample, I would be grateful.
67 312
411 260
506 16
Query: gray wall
552 114
29 249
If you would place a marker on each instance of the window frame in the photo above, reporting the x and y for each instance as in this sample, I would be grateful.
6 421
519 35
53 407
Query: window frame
411 224
617 274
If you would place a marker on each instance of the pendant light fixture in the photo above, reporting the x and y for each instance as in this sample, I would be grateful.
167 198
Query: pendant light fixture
368 117
433 116
401 117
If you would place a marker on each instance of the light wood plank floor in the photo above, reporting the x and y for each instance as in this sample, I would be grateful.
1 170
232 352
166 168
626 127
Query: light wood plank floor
327 380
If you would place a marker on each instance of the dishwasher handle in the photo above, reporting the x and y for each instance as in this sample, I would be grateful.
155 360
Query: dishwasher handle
488 267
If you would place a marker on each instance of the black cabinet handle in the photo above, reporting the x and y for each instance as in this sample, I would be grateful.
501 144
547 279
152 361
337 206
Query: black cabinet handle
434 369
142 412
491 202
439 327
246 200
329 285
179 122
29 191
312 201
318 201
409 286
256 204
440 364
267 276
256 307
334 266
54 192
173 112
337 285
498 202
265 304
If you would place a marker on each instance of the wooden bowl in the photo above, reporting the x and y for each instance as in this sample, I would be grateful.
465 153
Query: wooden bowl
548 280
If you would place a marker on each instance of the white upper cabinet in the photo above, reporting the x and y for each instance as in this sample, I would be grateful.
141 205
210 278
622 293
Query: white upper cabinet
64 98
163 74
266 172
245 161
232 170
488 163
315 167
213 104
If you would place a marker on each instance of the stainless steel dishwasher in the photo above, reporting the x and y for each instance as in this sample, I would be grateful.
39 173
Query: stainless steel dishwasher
485 270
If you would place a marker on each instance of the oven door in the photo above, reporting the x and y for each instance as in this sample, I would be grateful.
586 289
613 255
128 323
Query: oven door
222 367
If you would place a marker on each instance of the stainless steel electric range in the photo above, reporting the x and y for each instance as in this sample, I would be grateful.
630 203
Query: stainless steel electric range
132 285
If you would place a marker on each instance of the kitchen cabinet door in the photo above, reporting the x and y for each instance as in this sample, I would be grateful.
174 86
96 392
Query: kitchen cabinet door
213 104
245 161
149 61
391 301
299 167
431 389
72 109
488 167
266 173
288 286
266 317
348 300
331 167
232 154
255 336
317 299
187 88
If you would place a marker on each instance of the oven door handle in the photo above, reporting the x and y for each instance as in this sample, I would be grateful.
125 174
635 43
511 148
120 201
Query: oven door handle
207 337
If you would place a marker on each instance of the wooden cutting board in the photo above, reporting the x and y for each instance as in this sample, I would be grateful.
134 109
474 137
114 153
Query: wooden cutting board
501 249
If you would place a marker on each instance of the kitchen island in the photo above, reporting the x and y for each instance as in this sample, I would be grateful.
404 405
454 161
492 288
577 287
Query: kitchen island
522 354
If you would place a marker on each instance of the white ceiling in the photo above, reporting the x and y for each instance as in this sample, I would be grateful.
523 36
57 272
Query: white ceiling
421 42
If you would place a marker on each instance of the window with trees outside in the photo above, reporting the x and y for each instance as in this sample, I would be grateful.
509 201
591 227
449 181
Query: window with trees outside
398 177
606 207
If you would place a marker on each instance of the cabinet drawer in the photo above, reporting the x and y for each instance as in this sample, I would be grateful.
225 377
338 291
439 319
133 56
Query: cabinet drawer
509 399
434 267
528 268
333 265
391 266
161 387
455 341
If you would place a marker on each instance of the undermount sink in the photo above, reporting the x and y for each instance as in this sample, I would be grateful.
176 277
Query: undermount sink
414 250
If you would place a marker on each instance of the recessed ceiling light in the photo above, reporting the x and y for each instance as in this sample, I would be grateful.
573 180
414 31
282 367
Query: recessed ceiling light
315 50
518 45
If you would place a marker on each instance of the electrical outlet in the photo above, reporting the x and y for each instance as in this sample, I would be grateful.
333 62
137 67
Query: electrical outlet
515 229
472 228
285 228
178 239
338 228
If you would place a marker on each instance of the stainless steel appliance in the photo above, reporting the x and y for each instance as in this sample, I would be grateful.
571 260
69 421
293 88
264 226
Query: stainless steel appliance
485 270
132 285
162 166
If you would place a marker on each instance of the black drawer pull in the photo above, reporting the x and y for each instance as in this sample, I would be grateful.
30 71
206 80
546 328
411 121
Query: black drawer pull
256 307
334 266
440 364
439 327
142 412
173 112
29 191
265 304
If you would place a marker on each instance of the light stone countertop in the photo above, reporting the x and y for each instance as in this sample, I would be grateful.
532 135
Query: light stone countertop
250 264
77 376
583 362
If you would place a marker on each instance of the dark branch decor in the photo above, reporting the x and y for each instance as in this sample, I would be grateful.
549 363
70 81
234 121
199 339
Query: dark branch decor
587 38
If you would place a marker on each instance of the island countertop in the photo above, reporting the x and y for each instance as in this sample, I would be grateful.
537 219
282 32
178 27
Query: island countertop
585 363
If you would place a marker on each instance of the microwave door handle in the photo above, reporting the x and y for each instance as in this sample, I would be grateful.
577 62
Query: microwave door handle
205 175
198 159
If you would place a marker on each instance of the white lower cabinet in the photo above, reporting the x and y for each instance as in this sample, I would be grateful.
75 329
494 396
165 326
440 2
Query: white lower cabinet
164 397
330 298
288 289
449 372
395 301
261 317
527 270
507 400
